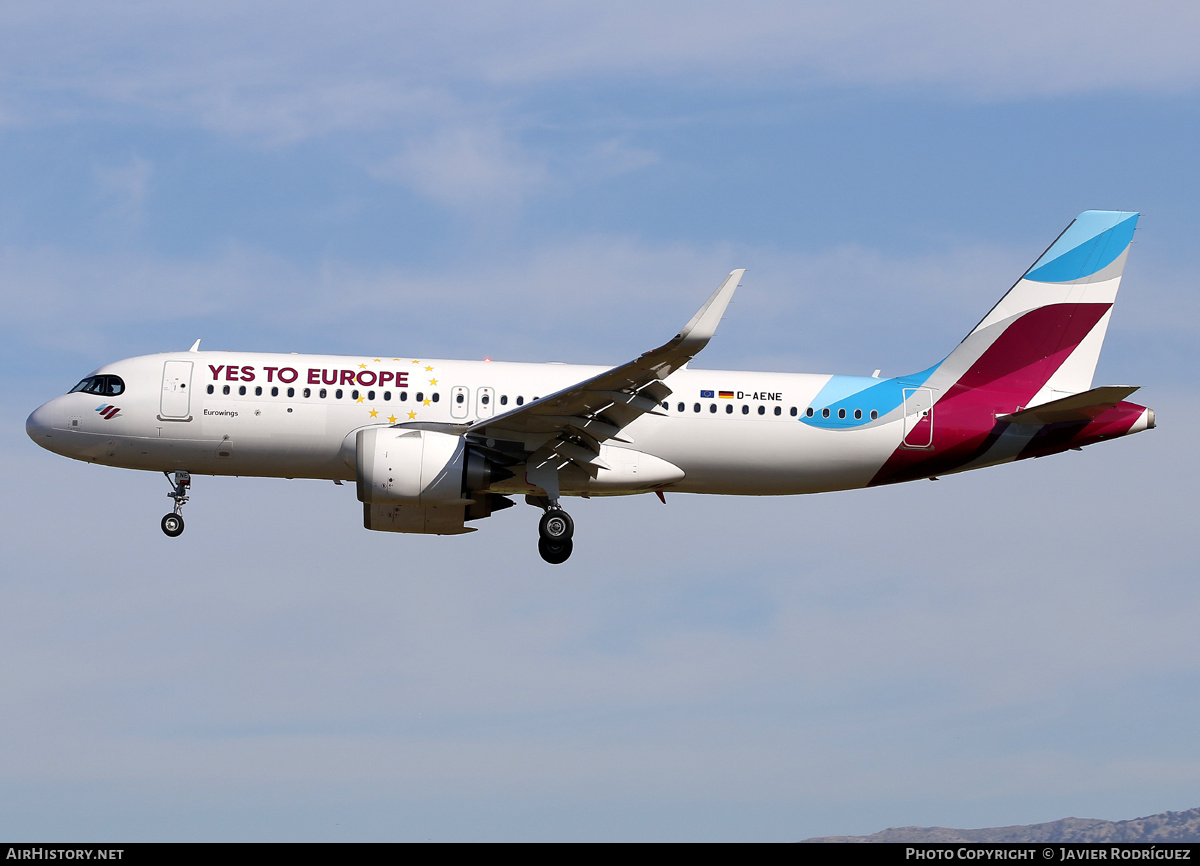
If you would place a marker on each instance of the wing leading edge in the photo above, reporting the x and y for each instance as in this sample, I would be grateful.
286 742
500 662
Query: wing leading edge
569 426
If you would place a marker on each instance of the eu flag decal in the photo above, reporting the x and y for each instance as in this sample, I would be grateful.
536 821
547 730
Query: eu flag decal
706 395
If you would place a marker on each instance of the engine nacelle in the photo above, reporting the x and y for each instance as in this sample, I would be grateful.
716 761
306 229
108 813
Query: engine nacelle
410 467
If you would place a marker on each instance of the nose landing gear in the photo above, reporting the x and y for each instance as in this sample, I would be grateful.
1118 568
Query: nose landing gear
172 524
555 530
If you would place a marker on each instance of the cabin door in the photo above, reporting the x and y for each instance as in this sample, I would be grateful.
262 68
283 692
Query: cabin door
918 418
176 385
460 402
484 402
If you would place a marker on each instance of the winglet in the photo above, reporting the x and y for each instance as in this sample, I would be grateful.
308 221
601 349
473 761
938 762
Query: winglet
195 347
703 325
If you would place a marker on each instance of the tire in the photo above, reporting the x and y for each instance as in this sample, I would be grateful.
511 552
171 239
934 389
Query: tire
555 552
556 526
172 525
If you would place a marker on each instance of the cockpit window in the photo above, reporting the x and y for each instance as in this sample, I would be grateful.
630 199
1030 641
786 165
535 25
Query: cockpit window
107 386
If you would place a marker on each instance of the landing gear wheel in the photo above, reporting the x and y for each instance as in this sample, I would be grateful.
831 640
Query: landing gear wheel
556 526
555 552
172 525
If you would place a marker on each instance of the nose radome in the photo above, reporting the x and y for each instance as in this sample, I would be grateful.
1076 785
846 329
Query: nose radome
39 424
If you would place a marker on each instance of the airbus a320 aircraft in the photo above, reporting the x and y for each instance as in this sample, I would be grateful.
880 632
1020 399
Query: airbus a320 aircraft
435 444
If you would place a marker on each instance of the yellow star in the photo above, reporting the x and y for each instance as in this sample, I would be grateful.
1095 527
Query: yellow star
395 359
433 381
376 360
391 419
412 415
415 361
374 413
363 366
429 369
427 402
359 400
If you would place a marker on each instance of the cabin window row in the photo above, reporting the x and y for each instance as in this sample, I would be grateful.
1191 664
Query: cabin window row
778 410
338 394
323 393
841 413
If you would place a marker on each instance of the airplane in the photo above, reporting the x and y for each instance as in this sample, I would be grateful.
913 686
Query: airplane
433 445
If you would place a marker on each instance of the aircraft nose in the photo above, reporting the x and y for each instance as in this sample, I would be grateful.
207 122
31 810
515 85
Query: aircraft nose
40 424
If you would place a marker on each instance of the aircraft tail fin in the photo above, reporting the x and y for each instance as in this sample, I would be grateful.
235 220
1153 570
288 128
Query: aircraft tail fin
1042 340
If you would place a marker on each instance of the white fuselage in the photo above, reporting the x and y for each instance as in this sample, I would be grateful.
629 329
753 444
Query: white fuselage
296 416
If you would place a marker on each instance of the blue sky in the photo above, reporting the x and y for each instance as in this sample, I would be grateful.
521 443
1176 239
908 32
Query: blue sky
541 182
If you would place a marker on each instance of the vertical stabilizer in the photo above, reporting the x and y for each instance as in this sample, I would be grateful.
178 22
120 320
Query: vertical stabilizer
1042 340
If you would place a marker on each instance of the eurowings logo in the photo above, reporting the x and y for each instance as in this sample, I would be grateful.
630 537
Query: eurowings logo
108 412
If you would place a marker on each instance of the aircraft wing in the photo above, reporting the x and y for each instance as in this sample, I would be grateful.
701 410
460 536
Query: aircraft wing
569 425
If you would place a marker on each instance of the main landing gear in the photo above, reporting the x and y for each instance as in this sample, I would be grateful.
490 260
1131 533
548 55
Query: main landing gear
554 535
172 524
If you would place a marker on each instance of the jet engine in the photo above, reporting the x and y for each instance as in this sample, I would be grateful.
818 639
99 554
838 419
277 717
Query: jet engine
424 481
396 466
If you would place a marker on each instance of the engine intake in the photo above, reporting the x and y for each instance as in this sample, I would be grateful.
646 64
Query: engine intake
410 467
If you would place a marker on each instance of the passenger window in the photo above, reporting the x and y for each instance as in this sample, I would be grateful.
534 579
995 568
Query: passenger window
210 389
354 394
825 413
874 415
258 390
762 410
291 392
371 395
728 408
436 395
696 407
322 393
520 401
792 411
420 397
225 390
403 396
274 391
307 392
712 407
503 399
338 394
858 414
680 407
745 410
387 396
841 413
779 410
241 390
809 411
458 398
485 399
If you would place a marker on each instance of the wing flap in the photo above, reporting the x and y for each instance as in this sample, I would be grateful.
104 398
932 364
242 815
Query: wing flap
563 427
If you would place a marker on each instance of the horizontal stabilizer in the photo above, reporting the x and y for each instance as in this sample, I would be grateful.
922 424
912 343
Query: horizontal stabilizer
1077 407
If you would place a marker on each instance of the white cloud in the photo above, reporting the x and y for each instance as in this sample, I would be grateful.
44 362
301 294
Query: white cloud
286 71
594 299
466 168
